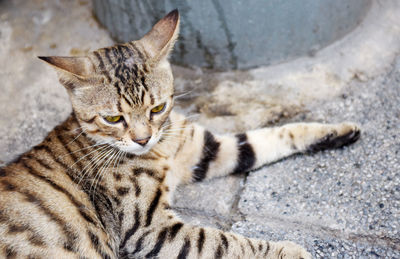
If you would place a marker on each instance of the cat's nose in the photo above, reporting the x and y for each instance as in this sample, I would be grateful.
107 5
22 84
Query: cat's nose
142 141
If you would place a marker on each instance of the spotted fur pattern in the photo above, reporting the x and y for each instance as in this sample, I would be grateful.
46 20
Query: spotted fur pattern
87 191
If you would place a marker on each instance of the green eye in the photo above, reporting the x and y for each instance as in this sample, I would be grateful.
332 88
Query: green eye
113 119
158 108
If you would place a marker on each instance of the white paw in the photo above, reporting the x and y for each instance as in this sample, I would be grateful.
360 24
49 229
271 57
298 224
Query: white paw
347 127
337 136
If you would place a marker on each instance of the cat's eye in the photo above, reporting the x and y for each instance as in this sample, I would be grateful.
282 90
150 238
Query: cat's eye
158 108
113 119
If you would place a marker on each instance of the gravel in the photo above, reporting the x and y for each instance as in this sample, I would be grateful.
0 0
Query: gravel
348 199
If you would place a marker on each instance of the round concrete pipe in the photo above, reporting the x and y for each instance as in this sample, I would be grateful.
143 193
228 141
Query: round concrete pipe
241 34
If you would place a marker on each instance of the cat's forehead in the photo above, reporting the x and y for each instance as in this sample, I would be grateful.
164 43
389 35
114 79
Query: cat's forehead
122 56
125 69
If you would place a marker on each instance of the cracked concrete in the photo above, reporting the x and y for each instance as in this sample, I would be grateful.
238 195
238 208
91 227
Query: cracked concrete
339 204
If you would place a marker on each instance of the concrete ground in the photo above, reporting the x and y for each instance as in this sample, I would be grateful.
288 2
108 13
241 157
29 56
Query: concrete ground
339 204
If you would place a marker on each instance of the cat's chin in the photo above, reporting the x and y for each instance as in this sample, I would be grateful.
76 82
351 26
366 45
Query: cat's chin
135 149
136 152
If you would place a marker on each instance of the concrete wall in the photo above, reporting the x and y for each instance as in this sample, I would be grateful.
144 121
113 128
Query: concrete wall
237 34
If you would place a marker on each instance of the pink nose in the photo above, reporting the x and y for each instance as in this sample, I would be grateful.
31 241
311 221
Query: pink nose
142 141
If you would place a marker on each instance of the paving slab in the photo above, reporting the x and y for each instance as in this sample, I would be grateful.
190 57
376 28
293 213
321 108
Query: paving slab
321 243
218 196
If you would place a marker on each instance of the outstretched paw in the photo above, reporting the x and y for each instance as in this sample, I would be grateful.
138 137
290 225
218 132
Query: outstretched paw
290 250
344 134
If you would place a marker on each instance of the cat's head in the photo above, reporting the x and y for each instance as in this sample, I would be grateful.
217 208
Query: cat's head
122 95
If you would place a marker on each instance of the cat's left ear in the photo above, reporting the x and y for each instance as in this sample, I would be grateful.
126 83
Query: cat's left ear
80 67
160 40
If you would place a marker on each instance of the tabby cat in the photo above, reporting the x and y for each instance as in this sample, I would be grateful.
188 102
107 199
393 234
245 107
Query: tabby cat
100 184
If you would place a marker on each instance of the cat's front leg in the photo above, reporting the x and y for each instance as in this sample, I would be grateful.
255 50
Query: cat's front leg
200 154
175 239
272 144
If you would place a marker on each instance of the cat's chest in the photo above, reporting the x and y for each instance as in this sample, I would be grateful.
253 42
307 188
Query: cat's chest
129 191
134 182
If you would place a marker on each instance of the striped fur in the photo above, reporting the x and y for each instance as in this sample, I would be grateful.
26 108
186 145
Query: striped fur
82 193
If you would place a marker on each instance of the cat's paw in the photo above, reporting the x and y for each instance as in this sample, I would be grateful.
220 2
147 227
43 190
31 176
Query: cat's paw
339 135
290 250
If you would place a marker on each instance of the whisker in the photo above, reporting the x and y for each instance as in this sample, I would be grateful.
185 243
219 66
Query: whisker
75 137
95 145
102 165
175 130
103 169
118 155
183 94
92 146
98 149
93 162
158 151
175 122
122 153
172 134
69 132
124 156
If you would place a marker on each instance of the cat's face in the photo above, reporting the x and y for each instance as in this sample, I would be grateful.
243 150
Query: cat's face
122 95
129 112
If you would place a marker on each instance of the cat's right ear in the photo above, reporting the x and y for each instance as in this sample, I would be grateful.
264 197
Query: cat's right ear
160 40
80 67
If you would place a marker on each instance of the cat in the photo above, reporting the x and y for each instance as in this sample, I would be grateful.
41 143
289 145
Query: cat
100 184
